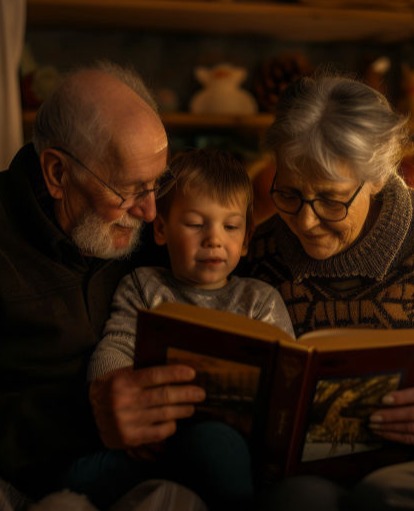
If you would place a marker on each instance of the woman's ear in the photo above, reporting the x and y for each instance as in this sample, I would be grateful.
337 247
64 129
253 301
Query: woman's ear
377 186
53 172
159 230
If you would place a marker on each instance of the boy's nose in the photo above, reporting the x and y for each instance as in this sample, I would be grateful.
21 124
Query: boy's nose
212 238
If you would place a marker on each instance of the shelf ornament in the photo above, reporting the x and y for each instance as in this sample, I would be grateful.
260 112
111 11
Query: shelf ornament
222 92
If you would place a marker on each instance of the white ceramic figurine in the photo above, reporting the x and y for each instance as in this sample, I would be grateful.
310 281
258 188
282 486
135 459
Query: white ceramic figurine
221 93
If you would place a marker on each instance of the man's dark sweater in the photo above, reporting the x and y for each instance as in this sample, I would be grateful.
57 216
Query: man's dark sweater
53 305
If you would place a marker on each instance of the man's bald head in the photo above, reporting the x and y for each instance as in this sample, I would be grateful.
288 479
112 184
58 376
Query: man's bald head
90 105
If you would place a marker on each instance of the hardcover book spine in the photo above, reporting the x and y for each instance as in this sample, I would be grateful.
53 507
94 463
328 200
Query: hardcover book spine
287 408
151 345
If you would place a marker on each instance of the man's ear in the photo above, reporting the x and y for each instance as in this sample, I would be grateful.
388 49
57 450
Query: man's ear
53 172
159 230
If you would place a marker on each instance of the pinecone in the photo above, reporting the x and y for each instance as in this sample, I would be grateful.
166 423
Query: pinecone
273 76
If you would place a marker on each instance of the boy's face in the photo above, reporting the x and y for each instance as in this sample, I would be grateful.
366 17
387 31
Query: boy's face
205 239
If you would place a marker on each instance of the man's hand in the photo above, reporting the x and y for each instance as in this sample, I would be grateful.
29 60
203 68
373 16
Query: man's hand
395 422
139 407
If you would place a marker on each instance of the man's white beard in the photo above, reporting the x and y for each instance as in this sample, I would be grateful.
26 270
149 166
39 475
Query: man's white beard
93 236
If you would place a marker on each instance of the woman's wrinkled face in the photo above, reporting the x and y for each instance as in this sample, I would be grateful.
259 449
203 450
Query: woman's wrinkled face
322 239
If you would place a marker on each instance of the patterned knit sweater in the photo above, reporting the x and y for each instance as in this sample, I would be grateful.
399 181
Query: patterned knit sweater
371 284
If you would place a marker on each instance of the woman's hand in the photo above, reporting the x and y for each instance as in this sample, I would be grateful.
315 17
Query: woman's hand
140 407
395 422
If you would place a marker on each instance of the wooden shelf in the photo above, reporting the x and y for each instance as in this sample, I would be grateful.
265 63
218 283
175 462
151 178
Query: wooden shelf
280 21
183 121
284 22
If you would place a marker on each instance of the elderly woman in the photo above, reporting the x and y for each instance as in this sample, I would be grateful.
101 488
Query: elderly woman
340 249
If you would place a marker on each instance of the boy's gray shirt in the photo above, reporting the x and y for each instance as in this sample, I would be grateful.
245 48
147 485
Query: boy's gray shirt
147 287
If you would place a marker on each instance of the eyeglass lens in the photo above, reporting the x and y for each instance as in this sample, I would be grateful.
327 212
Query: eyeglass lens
292 204
326 209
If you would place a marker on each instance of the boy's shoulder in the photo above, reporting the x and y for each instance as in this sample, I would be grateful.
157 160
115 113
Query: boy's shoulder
148 285
144 274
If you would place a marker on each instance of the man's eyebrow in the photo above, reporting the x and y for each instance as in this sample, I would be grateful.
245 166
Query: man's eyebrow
139 182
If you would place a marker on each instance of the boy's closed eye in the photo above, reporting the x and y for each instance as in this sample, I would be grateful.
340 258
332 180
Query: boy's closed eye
193 225
232 227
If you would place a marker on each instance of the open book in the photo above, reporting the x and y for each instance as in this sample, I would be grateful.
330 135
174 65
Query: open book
302 404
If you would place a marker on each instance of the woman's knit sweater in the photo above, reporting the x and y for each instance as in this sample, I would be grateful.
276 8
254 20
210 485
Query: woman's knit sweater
370 284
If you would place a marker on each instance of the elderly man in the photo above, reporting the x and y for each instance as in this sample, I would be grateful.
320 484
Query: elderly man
71 209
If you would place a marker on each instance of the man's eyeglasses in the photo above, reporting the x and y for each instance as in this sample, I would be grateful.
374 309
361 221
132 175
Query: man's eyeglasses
163 184
325 209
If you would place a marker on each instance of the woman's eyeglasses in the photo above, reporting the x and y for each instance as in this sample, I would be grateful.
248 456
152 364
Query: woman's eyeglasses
325 209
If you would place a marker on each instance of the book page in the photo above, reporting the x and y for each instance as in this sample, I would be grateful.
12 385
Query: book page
231 387
339 415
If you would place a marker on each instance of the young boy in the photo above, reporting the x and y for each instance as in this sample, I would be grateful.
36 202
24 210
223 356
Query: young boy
205 221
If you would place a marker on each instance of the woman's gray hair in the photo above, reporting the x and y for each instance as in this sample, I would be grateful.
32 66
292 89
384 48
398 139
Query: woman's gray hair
66 118
325 121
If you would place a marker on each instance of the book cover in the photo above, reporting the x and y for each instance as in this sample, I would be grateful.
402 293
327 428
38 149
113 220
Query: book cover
303 405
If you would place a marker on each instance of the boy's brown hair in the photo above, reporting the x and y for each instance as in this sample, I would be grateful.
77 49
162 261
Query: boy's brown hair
214 172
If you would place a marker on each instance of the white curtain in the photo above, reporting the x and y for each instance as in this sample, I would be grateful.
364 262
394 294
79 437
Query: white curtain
12 34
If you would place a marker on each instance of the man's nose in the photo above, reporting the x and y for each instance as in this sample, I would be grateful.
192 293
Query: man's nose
145 209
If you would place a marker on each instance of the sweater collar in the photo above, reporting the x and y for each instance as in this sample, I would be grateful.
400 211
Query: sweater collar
371 256
42 229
